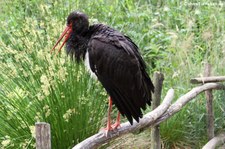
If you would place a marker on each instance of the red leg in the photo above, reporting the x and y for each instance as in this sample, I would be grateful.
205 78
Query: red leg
117 123
108 127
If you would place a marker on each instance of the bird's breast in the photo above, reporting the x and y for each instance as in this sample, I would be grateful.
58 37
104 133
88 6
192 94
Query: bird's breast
87 65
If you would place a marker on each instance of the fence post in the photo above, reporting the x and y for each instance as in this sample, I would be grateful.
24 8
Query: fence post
43 135
155 134
209 106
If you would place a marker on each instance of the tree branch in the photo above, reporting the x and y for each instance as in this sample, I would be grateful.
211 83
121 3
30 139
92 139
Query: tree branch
216 141
152 118
100 138
183 100
207 79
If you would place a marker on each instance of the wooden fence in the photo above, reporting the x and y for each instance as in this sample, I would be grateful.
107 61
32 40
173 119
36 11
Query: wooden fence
160 113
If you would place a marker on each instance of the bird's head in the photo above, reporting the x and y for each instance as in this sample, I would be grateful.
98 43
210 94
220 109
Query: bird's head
77 23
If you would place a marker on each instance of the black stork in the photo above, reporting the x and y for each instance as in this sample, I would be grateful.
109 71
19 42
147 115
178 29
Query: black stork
116 62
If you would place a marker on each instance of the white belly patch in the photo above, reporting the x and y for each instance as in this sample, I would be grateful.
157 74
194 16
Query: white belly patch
87 65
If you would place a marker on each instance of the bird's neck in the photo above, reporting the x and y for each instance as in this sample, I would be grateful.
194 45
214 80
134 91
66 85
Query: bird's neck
76 46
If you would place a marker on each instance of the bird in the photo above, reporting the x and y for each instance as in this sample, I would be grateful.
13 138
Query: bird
114 59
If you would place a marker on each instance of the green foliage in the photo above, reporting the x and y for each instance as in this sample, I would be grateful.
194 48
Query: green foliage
37 86
175 37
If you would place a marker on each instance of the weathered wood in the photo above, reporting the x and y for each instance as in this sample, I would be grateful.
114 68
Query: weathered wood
152 118
100 138
158 83
183 100
43 135
207 79
215 142
209 106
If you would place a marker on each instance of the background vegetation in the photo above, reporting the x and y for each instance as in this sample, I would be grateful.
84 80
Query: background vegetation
175 37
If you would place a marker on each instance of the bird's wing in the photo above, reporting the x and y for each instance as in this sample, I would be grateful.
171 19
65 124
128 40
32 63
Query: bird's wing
121 70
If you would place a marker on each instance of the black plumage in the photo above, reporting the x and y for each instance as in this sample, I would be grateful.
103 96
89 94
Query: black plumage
115 59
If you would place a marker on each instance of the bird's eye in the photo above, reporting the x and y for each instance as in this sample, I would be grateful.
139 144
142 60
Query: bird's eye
68 23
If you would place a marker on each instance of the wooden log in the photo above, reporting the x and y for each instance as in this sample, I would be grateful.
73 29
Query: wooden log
152 118
147 120
209 106
158 83
204 80
43 135
215 142
183 100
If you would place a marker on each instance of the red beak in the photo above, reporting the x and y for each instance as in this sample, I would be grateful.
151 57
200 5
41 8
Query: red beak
67 31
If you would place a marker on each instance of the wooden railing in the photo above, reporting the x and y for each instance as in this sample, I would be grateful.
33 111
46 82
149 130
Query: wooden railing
152 119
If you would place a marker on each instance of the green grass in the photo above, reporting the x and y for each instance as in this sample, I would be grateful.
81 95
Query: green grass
36 86
175 37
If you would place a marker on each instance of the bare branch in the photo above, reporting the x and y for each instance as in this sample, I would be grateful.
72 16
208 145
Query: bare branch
100 138
183 100
207 79
152 118
215 142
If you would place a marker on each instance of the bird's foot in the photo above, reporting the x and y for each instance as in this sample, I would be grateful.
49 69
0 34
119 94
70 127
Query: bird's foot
116 125
110 128
107 130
